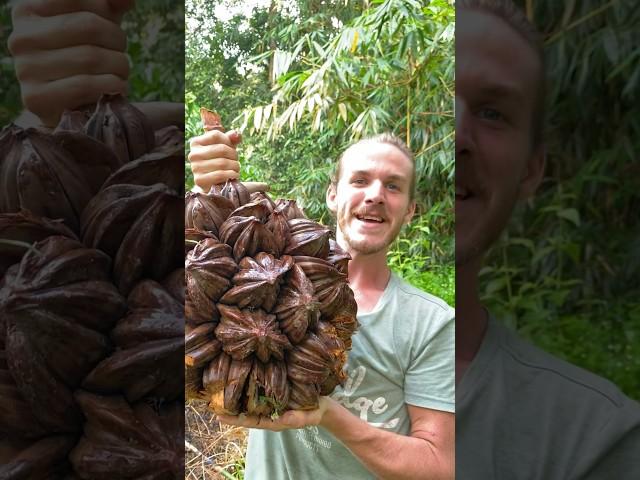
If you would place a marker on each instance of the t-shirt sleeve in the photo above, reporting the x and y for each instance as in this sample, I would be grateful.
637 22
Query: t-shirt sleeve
430 377
613 451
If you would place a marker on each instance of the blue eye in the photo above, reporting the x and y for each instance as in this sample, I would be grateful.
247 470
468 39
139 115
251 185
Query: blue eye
392 186
359 181
490 114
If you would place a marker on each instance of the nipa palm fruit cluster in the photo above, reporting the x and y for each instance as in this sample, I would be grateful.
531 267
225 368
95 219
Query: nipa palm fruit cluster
269 311
92 298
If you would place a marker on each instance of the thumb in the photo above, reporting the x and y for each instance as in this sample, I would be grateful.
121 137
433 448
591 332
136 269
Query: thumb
235 137
253 187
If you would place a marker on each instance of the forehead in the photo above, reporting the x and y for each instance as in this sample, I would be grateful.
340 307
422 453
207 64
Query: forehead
376 158
491 56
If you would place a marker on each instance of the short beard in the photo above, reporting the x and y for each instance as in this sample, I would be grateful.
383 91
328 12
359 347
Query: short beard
363 246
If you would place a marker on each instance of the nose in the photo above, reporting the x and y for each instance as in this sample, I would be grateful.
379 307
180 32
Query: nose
465 142
374 193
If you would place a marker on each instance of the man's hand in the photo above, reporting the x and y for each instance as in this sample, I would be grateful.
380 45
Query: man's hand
427 453
286 421
68 53
214 160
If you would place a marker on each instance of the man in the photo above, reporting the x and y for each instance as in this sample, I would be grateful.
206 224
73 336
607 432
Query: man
394 417
521 412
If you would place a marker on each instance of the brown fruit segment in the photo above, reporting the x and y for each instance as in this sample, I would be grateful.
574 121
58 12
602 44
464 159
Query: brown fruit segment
205 212
137 441
297 309
244 332
307 238
257 284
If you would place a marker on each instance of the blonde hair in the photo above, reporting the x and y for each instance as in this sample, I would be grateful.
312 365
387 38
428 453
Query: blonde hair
381 139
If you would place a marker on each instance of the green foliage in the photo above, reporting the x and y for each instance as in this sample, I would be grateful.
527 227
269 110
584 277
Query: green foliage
303 81
10 104
566 275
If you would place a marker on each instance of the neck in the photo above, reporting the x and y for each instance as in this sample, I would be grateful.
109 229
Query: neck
368 271
471 317
368 275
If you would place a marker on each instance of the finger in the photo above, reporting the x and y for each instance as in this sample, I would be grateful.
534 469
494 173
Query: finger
111 9
67 30
253 187
207 180
214 165
235 137
212 137
49 100
69 62
207 152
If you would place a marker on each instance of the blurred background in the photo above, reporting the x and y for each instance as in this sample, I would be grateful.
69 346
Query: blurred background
567 273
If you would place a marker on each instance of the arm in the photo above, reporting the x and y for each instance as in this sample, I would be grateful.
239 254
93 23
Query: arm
427 453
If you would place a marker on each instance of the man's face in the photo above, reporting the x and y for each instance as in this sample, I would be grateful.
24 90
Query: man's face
496 80
371 198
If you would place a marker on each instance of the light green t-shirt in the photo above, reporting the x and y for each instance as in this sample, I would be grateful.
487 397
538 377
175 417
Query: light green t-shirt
402 354
524 414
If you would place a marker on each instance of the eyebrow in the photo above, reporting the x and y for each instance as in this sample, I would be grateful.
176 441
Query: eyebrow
393 177
502 90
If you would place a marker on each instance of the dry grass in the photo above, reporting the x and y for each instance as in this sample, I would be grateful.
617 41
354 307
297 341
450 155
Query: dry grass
212 451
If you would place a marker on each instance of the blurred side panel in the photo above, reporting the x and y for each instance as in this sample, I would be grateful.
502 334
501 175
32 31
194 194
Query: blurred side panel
91 242
547 239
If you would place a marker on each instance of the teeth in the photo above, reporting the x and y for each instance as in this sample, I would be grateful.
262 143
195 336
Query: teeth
367 217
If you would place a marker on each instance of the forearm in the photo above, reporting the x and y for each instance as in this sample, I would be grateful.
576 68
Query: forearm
386 454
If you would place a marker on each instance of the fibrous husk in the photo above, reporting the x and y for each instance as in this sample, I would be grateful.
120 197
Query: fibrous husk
51 175
136 441
290 208
273 335
123 128
149 348
228 400
297 308
63 322
338 257
243 332
209 269
307 238
137 225
59 294
206 212
43 459
232 190
257 283
19 231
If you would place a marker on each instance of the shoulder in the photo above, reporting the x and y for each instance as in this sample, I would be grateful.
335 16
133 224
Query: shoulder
560 378
411 295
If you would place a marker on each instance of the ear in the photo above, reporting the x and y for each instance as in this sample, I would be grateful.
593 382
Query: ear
331 198
411 210
533 173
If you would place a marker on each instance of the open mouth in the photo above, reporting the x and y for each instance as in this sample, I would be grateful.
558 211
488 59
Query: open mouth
370 219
